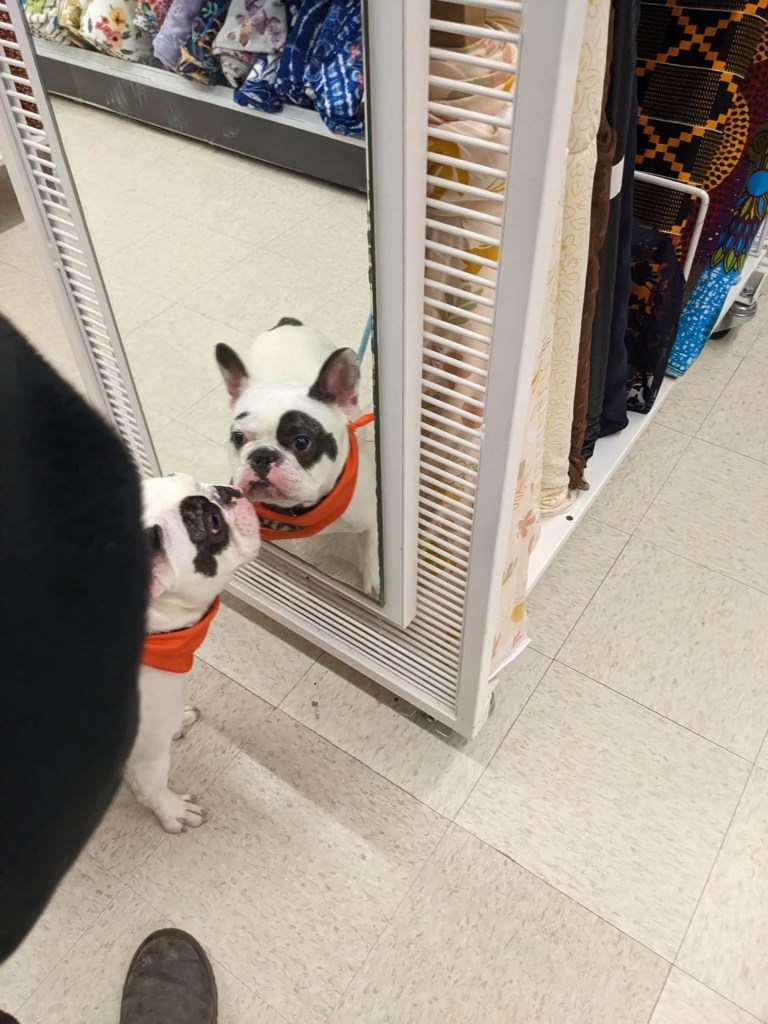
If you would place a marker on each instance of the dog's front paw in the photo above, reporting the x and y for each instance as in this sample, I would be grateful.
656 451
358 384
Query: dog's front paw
178 813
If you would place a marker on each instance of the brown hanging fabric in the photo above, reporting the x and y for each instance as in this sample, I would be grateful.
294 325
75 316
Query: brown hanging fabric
599 211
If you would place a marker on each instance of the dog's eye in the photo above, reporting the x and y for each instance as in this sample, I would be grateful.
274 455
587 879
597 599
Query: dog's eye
215 524
238 438
302 443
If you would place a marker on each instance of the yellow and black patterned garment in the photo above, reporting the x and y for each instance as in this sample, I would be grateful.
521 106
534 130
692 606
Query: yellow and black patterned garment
692 121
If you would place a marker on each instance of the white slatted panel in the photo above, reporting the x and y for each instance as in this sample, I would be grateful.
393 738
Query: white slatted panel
68 242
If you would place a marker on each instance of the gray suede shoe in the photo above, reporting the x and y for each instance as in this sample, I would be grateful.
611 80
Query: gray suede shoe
170 981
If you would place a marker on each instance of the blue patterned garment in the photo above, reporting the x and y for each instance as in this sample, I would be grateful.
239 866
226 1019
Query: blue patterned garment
305 28
334 71
197 58
725 264
258 90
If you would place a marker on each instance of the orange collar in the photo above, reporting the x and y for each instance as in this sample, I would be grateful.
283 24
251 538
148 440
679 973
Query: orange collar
174 652
294 525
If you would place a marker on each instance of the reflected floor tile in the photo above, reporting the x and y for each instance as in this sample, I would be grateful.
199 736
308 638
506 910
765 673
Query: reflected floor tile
338 230
16 246
478 940
738 420
727 944
231 717
638 479
175 261
569 584
342 317
686 1001
253 295
81 897
683 618
615 806
261 655
365 720
211 416
712 510
86 988
696 392
290 884
172 359
182 450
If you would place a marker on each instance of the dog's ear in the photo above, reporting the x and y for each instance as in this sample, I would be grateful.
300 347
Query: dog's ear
160 572
338 381
232 370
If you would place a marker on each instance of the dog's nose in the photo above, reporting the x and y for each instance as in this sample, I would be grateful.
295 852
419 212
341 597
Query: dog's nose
227 495
262 459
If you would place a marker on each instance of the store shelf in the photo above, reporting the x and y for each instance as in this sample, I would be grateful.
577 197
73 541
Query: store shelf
609 454
295 139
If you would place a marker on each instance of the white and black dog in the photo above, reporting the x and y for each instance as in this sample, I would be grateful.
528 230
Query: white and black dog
292 401
199 536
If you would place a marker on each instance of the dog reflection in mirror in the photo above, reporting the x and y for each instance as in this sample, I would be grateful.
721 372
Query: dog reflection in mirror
292 399
199 535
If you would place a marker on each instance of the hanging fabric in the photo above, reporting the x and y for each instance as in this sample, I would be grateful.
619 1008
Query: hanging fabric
598 224
693 123
512 626
653 314
609 323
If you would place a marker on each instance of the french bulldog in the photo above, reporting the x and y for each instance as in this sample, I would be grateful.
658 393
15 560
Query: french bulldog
199 535
291 401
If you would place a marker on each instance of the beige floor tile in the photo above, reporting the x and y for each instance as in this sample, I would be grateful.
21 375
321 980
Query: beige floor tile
639 478
756 333
16 246
738 420
259 654
615 806
175 264
711 510
697 391
87 986
479 940
307 857
28 303
182 450
569 584
132 310
363 719
343 316
762 757
662 631
338 230
727 944
686 1001
172 359
211 416
231 718
253 295
80 899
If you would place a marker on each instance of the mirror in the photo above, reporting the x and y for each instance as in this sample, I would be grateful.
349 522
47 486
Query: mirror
241 288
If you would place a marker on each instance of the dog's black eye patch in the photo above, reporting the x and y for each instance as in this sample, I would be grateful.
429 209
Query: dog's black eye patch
296 428
207 529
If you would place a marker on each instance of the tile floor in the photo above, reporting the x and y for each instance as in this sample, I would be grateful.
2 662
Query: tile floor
598 854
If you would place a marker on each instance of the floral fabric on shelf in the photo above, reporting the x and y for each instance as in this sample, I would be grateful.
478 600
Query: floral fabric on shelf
150 15
108 25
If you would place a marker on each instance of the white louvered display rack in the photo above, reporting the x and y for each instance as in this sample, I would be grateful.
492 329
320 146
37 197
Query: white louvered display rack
444 533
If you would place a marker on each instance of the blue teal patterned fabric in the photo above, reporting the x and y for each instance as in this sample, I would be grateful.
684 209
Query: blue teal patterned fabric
334 71
302 35
725 264
197 59
258 90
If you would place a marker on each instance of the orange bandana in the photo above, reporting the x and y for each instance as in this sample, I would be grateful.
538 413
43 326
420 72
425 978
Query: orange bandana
174 652
294 525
